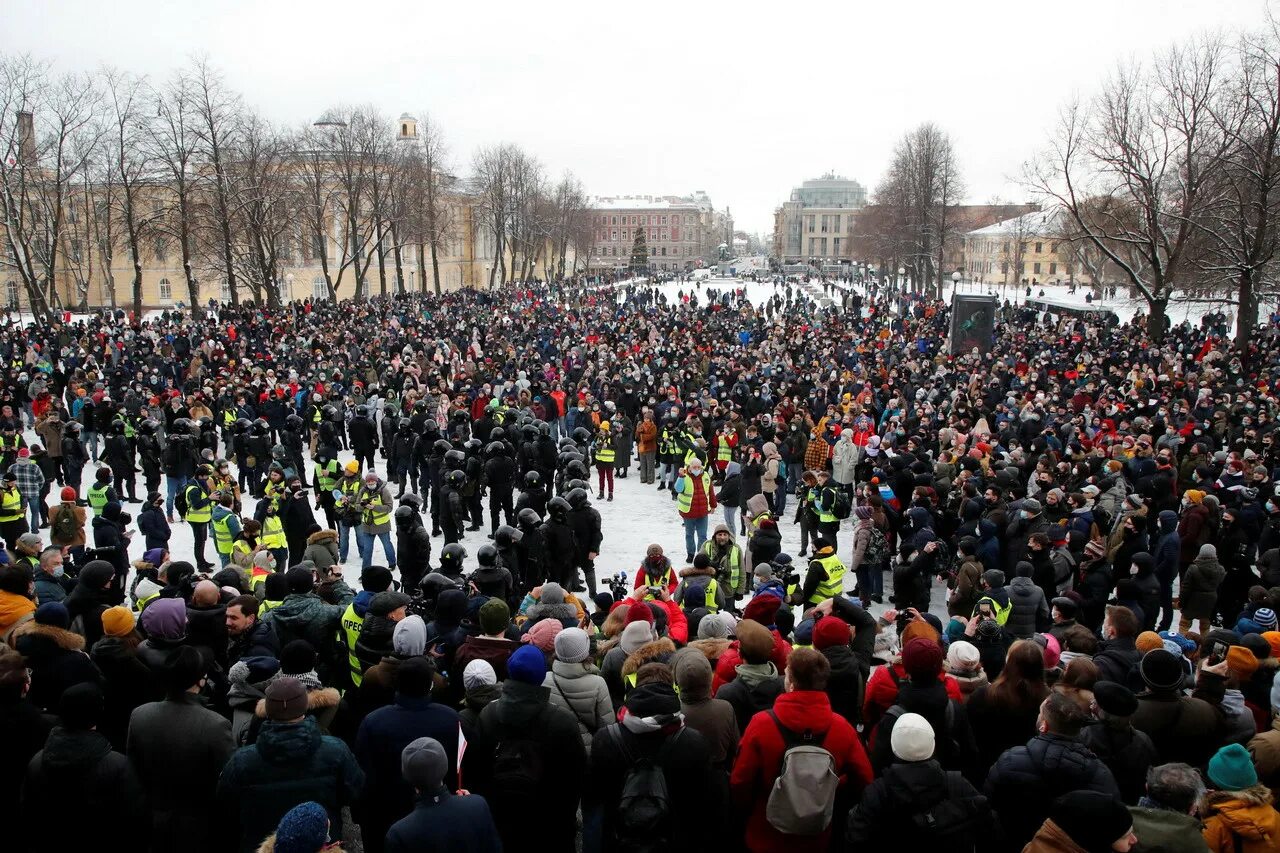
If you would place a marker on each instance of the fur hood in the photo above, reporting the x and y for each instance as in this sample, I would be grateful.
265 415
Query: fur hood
541 611
658 650
1258 795
322 536
712 647
694 572
317 700
61 637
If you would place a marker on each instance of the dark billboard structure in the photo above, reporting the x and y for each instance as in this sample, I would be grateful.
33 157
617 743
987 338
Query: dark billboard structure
973 322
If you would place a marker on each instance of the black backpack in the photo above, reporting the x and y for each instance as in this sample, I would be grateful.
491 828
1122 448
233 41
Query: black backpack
64 524
518 765
643 822
180 502
954 823
843 505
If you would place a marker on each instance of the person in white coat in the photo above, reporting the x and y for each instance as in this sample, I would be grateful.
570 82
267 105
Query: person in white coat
576 684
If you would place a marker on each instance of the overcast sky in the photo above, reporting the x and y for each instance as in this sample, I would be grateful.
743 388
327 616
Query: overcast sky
743 100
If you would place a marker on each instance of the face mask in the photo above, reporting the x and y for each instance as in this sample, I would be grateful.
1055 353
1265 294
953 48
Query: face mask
59 571
1024 514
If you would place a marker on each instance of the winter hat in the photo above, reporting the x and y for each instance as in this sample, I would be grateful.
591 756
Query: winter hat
1032 506
117 621
1116 699
1273 639
1161 670
423 764
918 629
165 618
1185 644
651 707
1051 649
1241 663
714 626
303 829
528 665
301 581
830 631
1148 640
1231 769
755 642
81 705
376 578
638 611
762 609
1265 618
1091 819
963 656
276 586
1195 495
543 634
653 552
479 673
693 674
922 658
409 638
637 633
1209 551
154 556
552 593
804 632
912 738
572 645
1255 643
54 614
386 603
862 512
255 670
495 615
286 699
298 657
68 494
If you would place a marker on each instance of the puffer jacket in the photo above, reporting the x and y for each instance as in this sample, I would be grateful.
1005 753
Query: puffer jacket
1030 611
1026 779
56 660
322 549
579 689
308 617
1199 591
1183 728
1245 816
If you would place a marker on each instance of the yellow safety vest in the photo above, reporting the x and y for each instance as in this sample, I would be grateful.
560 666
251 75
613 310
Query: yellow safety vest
723 451
228 417
377 514
265 606
833 586
709 597
273 491
684 499
273 532
97 498
222 538
348 633
11 506
604 453
1002 613
197 516
326 476
734 561
824 513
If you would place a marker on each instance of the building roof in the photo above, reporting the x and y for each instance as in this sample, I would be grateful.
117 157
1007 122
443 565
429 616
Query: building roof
1040 223
643 202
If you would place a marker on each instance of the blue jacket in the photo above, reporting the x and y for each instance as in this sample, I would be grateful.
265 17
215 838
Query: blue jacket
382 736
155 527
444 823
1168 547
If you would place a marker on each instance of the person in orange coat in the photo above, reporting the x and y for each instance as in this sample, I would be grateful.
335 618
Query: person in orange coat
1238 812
803 707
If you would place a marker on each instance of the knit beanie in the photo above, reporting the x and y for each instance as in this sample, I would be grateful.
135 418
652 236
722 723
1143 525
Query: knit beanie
1148 640
922 659
552 593
919 629
54 614
714 626
1273 639
650 708
830 631
543 634
762 609
303 829
1265 618
117 621
912 738
636 634
528 665
963 656
298 657
479 673
1241 663
693 675
300 581
572 645
286 699
423 764
1231 769
495 615
638 611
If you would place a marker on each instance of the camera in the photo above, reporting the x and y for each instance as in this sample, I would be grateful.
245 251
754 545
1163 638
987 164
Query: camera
618 586
655 591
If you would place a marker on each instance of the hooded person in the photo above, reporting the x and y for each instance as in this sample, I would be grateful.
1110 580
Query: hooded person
713 718
408 640
249 679
642 647
1237 810
55 656
763 610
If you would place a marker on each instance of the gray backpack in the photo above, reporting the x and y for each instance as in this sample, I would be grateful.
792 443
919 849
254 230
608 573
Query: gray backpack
804 794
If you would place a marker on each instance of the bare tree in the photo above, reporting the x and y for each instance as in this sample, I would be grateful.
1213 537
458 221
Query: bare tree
130 167
430 220
217 125
493 169
263 214
175 145
1133 169
48 134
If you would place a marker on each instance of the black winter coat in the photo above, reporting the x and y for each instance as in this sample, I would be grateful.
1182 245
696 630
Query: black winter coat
57 661
413 553
1030 609
1025 780
749 699
1117 659
884 818
1127 752
847 684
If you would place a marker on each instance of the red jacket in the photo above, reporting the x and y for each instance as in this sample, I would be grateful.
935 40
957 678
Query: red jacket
702 501
760 759
727 665
882 692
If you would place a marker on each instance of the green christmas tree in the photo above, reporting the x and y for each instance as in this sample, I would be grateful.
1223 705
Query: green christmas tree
639 253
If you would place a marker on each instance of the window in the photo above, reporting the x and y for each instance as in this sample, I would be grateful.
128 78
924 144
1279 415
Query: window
1053 247
1004 267
1022 247
1039 248
664 251
664 221
615 220
166 291
1053 268
1036 268
835 246
319 290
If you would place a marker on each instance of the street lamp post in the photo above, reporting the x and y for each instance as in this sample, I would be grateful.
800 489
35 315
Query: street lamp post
412 273
902 278
955 281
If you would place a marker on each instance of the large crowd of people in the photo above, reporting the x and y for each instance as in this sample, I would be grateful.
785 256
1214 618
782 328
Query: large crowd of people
1034 605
